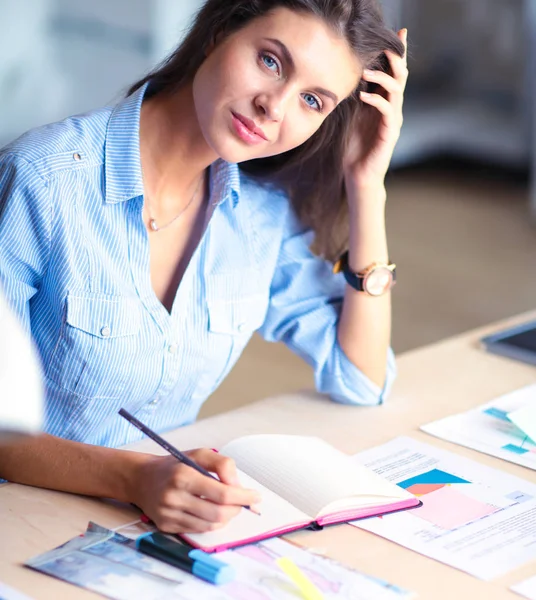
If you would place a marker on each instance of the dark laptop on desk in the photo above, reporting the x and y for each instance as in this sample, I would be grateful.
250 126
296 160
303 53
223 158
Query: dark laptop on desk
517 342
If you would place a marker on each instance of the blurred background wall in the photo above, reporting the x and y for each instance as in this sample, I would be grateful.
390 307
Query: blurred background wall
462 199
60 57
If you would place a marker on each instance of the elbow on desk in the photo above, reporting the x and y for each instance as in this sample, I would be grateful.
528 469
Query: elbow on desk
357 399
362 393
346 384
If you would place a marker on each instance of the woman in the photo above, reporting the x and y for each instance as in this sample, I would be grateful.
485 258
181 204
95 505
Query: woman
142 258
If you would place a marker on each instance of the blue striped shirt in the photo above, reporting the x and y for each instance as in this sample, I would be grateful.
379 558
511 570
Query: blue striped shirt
74 264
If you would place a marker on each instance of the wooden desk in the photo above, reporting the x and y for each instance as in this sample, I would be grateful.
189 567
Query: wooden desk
434 381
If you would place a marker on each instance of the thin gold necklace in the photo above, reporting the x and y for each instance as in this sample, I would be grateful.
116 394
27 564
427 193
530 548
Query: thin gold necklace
153 225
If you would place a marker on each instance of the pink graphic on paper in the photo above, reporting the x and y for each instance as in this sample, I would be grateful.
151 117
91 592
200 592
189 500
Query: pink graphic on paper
449 509
322 583
258 553
241 591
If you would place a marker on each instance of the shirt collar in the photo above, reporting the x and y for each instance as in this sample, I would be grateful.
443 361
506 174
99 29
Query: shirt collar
225 182
122 150
124 178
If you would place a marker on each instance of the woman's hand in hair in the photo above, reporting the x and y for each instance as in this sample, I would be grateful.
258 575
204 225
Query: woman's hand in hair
378 127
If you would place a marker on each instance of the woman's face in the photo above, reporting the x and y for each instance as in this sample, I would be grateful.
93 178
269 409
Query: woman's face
268 87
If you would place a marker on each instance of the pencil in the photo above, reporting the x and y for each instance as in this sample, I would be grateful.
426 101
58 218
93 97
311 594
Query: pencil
180 456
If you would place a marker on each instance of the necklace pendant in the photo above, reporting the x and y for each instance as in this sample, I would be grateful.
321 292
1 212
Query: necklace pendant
153 225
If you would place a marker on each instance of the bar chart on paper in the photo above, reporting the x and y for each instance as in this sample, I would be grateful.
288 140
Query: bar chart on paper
477 519
517 442
489 428
446 507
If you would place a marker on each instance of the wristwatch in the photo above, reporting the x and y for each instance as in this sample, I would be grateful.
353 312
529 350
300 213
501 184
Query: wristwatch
375 280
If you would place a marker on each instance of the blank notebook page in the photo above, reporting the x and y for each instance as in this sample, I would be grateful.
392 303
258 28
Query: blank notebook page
310 473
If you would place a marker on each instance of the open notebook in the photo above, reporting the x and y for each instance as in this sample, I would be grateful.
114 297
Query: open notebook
304 482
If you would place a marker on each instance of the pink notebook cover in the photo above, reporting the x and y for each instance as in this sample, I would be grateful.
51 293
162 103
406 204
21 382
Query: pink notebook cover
341 517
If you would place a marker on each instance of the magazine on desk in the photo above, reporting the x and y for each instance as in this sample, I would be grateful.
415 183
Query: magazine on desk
108 563
304 482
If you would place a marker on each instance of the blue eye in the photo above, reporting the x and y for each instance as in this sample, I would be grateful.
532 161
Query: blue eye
312 101
270 62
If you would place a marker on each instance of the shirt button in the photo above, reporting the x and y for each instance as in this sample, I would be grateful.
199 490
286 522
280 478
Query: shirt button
172 349
105 331
242 327
154 401
77 156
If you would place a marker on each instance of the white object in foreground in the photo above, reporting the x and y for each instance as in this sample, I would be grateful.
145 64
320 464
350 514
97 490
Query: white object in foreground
21 392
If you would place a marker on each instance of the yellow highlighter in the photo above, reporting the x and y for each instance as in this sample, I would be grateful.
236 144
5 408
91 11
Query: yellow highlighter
308 590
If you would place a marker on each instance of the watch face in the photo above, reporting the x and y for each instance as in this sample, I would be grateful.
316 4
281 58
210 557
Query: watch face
378 281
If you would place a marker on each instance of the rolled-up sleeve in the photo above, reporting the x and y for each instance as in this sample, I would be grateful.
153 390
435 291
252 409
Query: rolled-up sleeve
305 304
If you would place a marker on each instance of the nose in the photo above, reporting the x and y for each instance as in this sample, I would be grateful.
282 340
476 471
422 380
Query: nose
273 105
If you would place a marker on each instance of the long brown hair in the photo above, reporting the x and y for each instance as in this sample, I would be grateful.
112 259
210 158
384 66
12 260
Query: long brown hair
311 174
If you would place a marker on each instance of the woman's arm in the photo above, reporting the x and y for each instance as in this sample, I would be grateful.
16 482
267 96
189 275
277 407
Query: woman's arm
177 498
364 330
51 462
304 311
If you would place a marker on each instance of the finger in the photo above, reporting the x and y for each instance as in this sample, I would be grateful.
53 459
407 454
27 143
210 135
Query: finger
216 491
389 84
403 36
399 66
223 466
209 511
226 470
381 103
183 522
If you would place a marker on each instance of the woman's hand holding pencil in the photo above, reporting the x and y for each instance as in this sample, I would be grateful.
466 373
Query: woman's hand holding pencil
180 494
178 499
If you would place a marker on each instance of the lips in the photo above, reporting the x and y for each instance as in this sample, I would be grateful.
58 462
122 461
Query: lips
247 130
251 126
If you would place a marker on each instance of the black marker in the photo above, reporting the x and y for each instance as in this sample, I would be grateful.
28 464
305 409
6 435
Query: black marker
184 557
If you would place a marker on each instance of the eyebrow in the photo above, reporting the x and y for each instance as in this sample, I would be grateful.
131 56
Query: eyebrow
288 58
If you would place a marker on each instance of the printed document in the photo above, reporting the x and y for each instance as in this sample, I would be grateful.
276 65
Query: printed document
474 518
526 588
500 428
8 593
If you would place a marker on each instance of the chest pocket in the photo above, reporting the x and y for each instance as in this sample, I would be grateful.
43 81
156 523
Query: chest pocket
237 318
237 304
237 307
99 340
